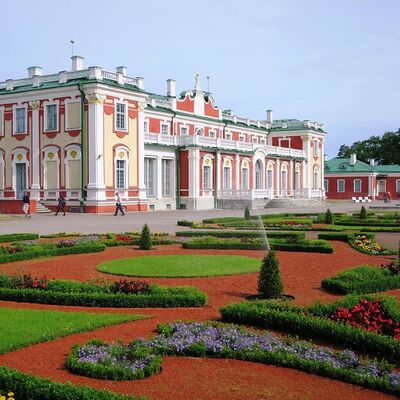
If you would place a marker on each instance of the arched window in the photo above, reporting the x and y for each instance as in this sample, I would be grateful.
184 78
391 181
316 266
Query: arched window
258 175
207 173
227 174
51 168
20 166
121 168
270 176
316 177
73 174
297 177
199 132
284 177
245 174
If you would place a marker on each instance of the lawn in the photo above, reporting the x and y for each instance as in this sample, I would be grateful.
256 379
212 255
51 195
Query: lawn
182 266
24 327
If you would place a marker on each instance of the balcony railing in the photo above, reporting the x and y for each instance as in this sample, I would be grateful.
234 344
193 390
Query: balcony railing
205 141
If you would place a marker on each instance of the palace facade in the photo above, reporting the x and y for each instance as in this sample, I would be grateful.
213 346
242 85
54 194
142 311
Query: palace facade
88 133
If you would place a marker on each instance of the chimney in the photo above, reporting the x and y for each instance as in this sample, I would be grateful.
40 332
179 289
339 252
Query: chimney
171 88
353 159
32 71
123 70
270 116
77 63
325 158
372 162
140 82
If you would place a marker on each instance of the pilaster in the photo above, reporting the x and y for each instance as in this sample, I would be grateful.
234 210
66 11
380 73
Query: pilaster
140 152
194 189
35 151
237 166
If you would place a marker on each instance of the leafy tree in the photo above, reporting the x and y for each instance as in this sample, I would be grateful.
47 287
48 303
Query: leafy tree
270 284
145 242
328 217
363 213
247 213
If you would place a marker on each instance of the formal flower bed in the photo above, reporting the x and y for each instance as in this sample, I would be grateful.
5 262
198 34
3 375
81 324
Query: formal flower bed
132 238
203 339
365 244
364 279
124 293
322 322
239 234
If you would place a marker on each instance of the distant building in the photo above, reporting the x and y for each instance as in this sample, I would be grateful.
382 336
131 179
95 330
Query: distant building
87 133
348 177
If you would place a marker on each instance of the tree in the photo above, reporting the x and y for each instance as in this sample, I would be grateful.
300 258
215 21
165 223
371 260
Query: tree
145 238
270 284
363 213
247 213
328 217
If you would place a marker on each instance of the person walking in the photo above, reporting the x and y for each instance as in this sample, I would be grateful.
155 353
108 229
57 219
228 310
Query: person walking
61 205
26 205
118 205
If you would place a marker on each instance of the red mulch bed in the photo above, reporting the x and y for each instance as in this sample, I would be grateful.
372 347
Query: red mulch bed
192 378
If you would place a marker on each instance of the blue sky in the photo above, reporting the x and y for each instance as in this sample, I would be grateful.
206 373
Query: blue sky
336 62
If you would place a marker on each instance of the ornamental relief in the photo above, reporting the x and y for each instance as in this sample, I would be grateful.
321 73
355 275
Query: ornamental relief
95 98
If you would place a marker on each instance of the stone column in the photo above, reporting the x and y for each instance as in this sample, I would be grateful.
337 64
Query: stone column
140 151
194 175
237 166
292 177
35 151
308 155
95 133
278 178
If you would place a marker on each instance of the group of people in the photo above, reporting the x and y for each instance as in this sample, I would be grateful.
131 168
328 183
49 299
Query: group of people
61 203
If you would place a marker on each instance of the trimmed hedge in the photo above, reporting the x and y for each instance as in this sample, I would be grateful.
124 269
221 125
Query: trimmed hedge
240 234
161 297
52 252
342 236
16 237
29 387
361 280
184 223
314 322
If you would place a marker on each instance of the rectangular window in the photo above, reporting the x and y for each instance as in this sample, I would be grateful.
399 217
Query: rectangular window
269 179
72 115
398 186
255 140
20 120
262 141
206 177
241 138
211 134
184 130
164 129
51 117
228 136
357 185
340 186
120 117
245 178
145 127
227 178
120 174
315 147
149 164
326 185
166 166
1 122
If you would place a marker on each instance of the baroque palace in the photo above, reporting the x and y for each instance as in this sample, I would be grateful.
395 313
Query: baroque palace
88 133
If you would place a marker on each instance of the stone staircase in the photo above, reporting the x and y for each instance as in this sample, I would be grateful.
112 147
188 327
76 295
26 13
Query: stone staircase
294 202
42 209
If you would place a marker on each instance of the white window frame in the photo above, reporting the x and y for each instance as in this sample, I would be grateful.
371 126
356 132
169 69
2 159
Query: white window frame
154 185
378 185
1 121
164 125
207 162
254 140
212 133
262 141
146 126
45 116
241 138
199 132
326 185
397 185
170 176
2 174
207 182
125 116
125 158
184 128
228 135
15 119
245 185
338 185
354 185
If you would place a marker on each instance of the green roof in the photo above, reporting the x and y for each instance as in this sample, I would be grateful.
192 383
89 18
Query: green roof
342 165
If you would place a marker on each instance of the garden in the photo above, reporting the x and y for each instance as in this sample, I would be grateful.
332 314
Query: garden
214 312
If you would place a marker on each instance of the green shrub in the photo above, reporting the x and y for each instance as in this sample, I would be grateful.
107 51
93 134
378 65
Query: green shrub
270 284
145 242
328 217
313 322
239 234
184 223
361 280
29 387
342 236
16 237
363 213
247 215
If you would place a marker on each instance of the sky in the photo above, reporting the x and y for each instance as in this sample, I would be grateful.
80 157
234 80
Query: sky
332 61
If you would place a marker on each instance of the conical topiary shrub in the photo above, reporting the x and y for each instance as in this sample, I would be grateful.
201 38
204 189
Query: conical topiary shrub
247 213
363 213
270 284
328 217
145 238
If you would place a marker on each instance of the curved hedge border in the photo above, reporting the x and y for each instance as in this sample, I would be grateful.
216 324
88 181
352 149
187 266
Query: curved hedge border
172 297
15 237
311 322
111 370
240 234
29 387
361 280
56 251
342 236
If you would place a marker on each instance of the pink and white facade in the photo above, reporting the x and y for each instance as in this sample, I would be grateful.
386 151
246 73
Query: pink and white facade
87 133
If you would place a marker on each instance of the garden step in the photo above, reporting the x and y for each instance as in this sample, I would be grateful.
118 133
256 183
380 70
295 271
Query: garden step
42 209
294 202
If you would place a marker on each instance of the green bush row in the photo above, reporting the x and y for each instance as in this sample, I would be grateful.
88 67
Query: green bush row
240 234
366 223
29 387
135 242
361 280
184 223
312 323
16 237
342 236
162 298
52 252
